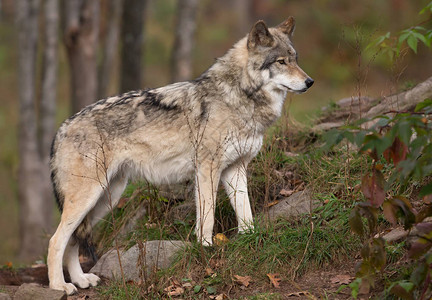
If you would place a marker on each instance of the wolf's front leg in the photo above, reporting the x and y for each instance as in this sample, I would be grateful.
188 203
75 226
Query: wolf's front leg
235 182
206 183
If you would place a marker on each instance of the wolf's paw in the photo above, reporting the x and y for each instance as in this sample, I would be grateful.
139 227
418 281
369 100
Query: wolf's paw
69 288
86 280
92 279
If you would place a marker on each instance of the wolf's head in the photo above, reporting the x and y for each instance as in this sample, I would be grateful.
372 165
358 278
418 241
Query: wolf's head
272 58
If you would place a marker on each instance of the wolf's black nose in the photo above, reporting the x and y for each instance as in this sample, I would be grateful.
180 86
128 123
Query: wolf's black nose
309 82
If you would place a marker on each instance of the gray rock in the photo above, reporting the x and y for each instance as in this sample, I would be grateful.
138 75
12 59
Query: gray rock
182 211
295 205
395 235
155 255
131 223
4 296
31 291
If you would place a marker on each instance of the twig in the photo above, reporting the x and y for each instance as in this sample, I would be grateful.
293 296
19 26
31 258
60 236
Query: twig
304 252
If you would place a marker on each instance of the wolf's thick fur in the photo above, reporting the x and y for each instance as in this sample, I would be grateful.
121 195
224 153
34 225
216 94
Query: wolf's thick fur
207 129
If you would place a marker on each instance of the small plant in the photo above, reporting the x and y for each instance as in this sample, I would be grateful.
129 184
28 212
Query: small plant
393 45
400 149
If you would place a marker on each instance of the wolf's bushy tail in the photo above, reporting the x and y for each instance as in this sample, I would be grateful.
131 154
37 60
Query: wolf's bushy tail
83 233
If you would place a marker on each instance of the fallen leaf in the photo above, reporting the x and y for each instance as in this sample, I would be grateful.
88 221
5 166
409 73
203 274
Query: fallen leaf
220 239
341 279
286 193
274 279
122 202
299 294
187 285
173 290
290 154
244 280
272 203
150 225
278 173
217 262
209 271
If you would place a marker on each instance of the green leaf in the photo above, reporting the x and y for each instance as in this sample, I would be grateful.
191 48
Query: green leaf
426 8
400 290
419 274
403 129
422 105
211 290
404 36
197 289
378 259
421 37
426 190
355 222
332 138
355 287
412 43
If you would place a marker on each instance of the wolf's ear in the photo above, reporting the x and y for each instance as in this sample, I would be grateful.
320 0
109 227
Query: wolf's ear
287 26
259 36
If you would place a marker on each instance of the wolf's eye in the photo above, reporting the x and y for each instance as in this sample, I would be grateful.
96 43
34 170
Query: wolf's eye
281 61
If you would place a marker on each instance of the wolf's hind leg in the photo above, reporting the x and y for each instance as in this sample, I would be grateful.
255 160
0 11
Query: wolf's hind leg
77 275
235 183
76 206
102 207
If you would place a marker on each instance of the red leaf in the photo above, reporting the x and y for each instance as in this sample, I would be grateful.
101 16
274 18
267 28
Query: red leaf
373 188
419 247
398 151
389 212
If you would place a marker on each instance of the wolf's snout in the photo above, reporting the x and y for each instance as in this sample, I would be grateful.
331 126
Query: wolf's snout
309 82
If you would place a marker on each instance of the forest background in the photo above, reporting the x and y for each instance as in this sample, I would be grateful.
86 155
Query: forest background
330 38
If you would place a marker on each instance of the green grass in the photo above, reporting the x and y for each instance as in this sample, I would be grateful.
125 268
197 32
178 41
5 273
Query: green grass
289 247
116 291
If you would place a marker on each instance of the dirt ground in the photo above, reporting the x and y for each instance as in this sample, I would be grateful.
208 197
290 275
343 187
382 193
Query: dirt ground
318 284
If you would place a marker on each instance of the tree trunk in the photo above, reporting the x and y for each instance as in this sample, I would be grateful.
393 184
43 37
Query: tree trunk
244 14
49 77
48 99
81 29
184 40
132 37
35 220
110 46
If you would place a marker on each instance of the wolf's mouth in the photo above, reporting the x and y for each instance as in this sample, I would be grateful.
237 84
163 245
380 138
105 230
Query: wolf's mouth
294 91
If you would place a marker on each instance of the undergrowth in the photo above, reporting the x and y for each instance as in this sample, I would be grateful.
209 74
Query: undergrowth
286 246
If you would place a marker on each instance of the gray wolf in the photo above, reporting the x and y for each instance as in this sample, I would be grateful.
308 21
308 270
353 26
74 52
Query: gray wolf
207 129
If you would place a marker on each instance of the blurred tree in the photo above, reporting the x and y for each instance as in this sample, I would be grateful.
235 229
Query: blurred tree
245 16
181 66
132 37
34 192
81 30
114 11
